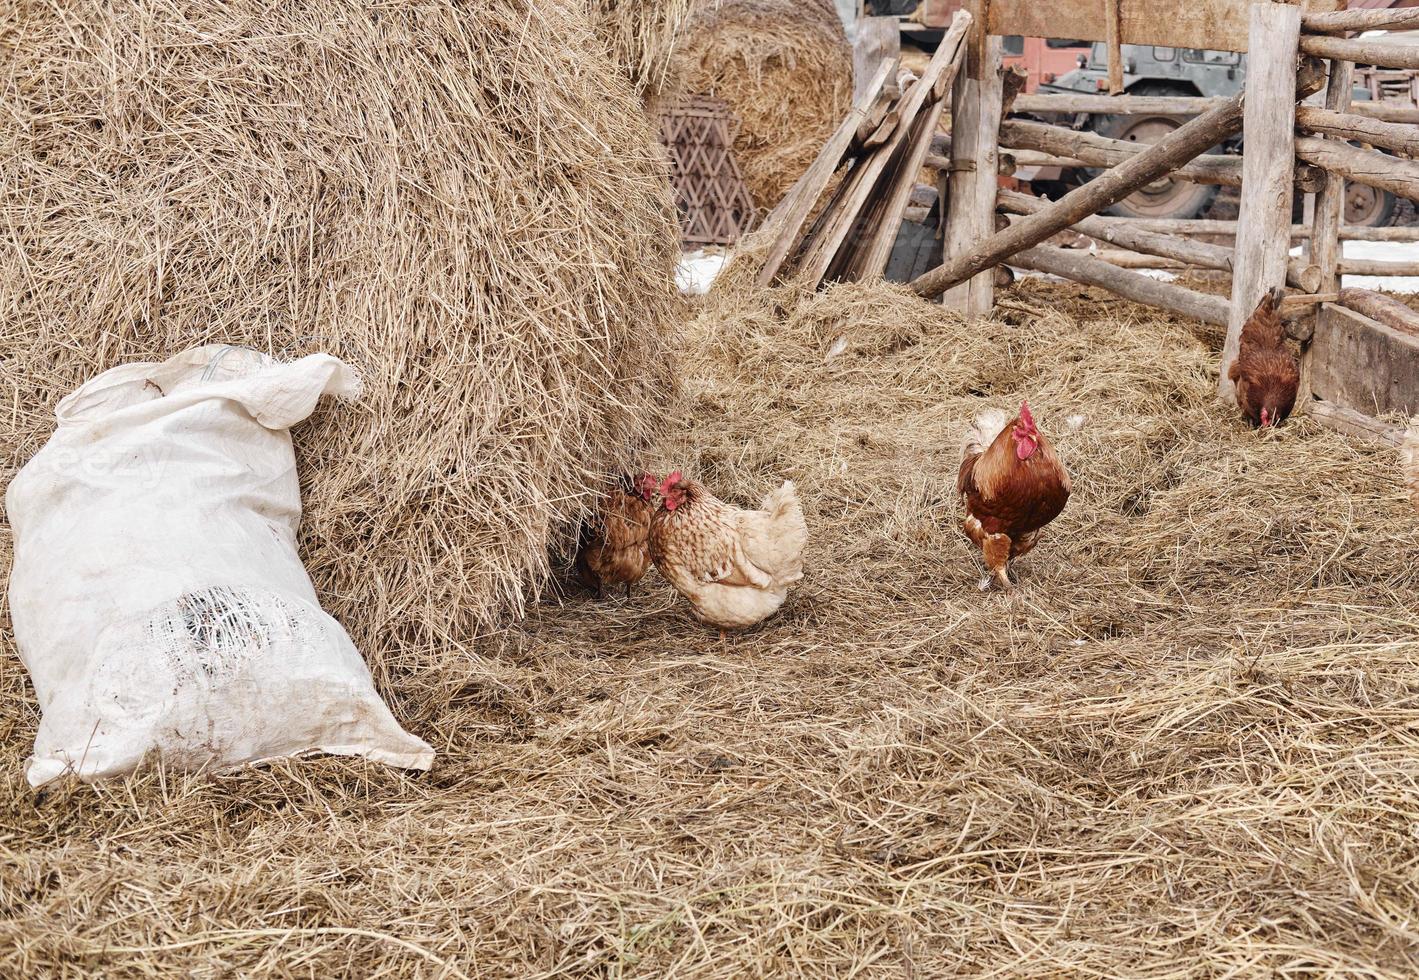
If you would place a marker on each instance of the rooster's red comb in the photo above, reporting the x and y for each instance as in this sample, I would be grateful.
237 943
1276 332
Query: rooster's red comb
1025 415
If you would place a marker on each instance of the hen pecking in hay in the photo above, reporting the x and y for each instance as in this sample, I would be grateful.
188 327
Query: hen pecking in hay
1265 372
1012 485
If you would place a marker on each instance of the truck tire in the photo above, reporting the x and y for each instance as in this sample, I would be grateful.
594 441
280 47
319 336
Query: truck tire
1369 206
893 8
1169 197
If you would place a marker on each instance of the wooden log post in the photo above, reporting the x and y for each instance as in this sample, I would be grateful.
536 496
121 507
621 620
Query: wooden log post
1264 221
971 256
1329 208
975 126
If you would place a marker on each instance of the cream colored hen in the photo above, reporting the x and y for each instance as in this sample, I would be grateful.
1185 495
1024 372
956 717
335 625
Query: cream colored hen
735 566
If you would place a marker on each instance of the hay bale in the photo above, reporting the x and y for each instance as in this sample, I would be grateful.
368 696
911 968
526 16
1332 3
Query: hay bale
785 69
459 199
643 36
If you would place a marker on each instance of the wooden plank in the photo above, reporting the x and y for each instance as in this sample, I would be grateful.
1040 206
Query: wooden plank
1100 151
1162 157
786 223
1264 221
1081 267
1345 21
1328 210
1388 173
975 119
1382 309
883 220
1362 51
1175 105
878 41
856 191
1217 24
1362 364
1113 35
1352 423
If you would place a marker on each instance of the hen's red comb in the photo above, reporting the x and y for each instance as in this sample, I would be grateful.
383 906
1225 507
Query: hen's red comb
669 482
1025 415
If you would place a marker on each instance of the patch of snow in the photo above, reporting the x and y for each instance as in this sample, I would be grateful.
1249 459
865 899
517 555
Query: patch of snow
697 271
1385 252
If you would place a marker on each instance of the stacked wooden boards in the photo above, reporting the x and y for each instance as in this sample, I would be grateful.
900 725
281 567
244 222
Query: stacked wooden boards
878 150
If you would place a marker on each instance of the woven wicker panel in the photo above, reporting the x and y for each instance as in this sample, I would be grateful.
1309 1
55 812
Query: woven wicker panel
715 206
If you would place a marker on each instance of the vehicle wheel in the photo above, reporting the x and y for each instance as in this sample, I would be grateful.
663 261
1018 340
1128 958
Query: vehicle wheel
1165 198
893 8
1369 206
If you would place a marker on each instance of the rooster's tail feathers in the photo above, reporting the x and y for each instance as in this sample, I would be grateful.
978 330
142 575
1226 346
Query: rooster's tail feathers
983 431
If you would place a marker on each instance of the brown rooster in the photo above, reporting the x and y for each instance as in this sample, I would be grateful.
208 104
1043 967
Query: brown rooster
1012 485
1265 372
613 547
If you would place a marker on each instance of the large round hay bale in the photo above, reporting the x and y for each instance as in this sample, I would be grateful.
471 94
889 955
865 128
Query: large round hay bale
460 199
783 66
785 69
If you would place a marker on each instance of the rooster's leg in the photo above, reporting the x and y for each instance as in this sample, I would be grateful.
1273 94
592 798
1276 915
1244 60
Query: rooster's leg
628 591
996 551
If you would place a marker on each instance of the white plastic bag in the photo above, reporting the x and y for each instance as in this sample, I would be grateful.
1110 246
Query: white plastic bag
157 596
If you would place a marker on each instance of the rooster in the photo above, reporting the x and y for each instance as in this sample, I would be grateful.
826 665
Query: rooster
1265 372
1012 485
735 566
613 548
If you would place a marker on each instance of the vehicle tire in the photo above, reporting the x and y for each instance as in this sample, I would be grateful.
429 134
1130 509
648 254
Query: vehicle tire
1166 198
893 8
1369 206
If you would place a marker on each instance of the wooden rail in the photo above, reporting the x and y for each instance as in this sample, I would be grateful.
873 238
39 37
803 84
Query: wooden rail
1387 173
1170 105
1362 51
1344 21
1348 126
1100 151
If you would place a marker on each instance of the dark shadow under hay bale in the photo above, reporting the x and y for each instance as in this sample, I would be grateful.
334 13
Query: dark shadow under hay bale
461 200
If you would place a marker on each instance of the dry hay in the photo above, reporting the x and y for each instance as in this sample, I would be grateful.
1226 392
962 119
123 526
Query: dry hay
459 199
643 36
1187 745
785 70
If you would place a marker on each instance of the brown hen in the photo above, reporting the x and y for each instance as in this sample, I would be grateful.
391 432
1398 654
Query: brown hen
613 549
1265 372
